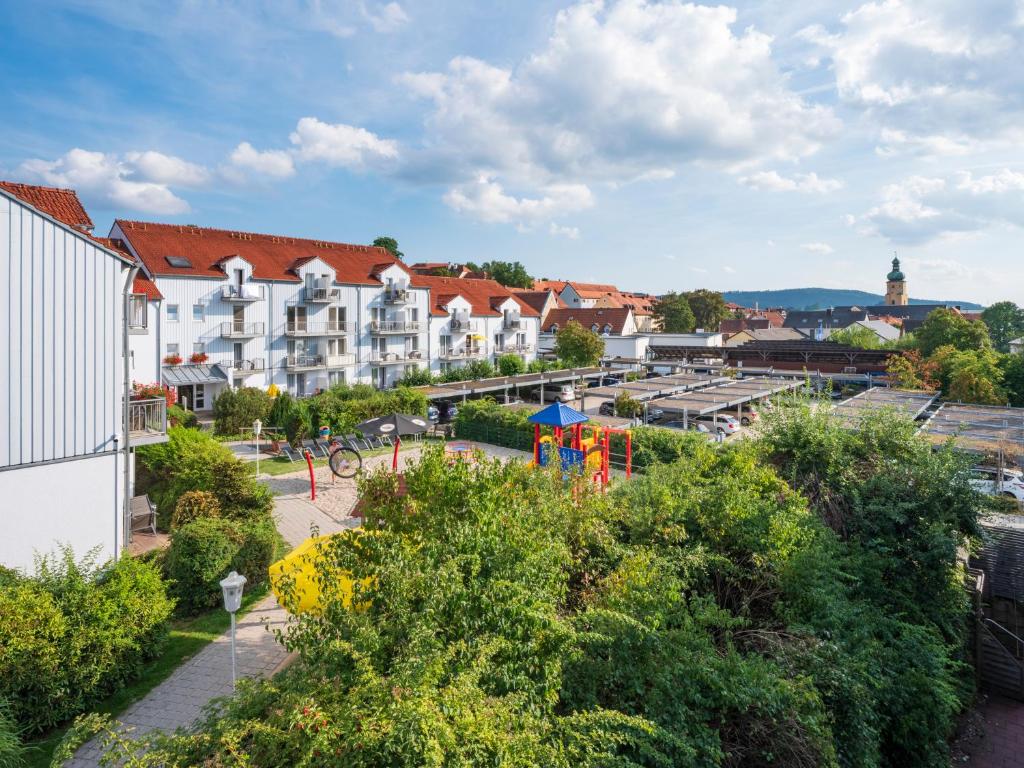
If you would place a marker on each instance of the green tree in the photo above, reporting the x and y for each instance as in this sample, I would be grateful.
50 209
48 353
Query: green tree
577 346
857 336
1005 322
511 365
970 376
511 274
948 327
390 245
708 307
673 313
1012 367
626 407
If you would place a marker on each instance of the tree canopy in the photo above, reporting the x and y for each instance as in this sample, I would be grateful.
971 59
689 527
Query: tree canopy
948 327
857 336
577 346
390 245
708 307
1005 322
511 274
673 313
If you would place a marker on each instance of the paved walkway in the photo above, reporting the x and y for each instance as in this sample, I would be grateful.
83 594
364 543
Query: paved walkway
179 700
1002 743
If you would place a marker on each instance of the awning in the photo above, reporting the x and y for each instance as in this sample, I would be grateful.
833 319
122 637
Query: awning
183 375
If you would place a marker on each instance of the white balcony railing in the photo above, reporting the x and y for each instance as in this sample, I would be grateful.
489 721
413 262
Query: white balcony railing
252 365
147 421
340 361
396 326
233 330
322 328
304 362
516 349
241 294
462 353
322 295
459 325
512 324
396 358
397 296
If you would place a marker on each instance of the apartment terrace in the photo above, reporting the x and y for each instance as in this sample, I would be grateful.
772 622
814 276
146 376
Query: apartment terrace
397 358
382 327
309 362
232 330
306 328
147 421
241 294
462 353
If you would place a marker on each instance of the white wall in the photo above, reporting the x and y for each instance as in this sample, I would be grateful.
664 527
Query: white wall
626 346
145 349
74 502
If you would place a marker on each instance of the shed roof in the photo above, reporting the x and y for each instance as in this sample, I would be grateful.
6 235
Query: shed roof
558 414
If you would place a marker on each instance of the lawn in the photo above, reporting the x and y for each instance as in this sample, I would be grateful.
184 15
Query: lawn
187 637
280 465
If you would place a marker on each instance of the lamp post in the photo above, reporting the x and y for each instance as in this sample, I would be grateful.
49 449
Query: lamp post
232 587
257 427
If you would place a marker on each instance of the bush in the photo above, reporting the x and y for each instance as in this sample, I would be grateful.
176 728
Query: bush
342 407
74 633
511 365
239 494
193 505
12 752
179 417
416 378
235 410
204 551
626 407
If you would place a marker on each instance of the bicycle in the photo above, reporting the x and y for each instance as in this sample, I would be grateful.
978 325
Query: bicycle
344 460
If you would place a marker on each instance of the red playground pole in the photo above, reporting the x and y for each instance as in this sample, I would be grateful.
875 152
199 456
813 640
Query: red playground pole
312 477
629 454
394 460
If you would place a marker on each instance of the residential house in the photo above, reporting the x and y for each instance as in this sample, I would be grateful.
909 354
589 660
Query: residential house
67 421
764 334
543 301
883 331
614 322
476 319
247 309
1017 345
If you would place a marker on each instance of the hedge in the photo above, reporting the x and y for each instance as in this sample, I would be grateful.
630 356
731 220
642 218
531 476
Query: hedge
75 633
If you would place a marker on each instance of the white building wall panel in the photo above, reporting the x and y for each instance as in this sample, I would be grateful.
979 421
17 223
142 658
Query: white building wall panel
77 503
62 341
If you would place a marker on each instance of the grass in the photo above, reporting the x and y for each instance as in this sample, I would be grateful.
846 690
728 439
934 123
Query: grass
280 465
187 637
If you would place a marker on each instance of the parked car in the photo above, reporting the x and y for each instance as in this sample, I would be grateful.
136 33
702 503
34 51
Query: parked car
749 415
690 424
654 414
433 414
607 408
985 480
726 425
604 381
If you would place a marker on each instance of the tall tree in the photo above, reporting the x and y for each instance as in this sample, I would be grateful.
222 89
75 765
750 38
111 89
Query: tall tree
945 327
709 309
577 346
1005 321
857 336
1012 367
511 274
390 245
673 313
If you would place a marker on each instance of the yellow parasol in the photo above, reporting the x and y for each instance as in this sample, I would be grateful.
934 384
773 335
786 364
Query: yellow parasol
301 570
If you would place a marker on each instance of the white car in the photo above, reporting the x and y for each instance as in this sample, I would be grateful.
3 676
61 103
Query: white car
726 425
985 480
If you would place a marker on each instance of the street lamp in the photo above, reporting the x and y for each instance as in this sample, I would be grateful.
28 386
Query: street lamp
232 587
257 427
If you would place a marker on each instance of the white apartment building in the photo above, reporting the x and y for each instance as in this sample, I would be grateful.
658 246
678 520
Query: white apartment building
475 319
67 422
245 309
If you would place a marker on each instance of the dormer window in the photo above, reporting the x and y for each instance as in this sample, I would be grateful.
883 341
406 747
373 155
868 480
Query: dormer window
594 327
607 328
554 328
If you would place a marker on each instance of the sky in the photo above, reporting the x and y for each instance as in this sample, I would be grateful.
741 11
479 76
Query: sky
655 145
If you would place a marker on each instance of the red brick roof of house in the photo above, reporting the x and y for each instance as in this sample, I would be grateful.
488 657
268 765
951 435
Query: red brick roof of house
273 257
549 285
537 299
616 317
61 204
483 295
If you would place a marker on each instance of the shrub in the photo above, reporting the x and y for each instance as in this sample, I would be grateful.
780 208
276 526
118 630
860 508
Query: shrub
179 417
193 505
511 365
417 377
12 752
626 407
235 410
74 633
204 551
239 494
342 407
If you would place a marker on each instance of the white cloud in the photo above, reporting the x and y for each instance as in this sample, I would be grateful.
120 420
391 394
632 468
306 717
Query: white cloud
620 92
799 182
276 163
921 208
385 18
729 270
699 270
822 249
486 200
338 144
166 169
573 233
114 181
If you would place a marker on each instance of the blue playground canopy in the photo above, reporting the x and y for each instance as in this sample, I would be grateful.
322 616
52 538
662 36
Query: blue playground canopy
558 415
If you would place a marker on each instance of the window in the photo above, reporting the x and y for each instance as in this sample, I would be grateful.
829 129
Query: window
197 313
179 262
172 313
553 328
172 350
445 343
499 342
137 311
607 328
594 327
198 348
336 377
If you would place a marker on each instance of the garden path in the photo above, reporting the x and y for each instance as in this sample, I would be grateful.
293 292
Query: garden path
179 700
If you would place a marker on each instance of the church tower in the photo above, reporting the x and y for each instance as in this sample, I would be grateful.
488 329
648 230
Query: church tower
896 286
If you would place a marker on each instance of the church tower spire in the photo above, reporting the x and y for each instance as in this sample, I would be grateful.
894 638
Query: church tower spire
896 286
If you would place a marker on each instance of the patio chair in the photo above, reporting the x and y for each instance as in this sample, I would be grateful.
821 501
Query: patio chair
312 447
322 448
354 439
143 514
288 451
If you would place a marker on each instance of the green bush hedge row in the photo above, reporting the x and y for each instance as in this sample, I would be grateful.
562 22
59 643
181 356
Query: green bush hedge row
74 633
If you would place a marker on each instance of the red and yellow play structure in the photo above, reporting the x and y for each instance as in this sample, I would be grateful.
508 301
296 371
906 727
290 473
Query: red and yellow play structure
589 448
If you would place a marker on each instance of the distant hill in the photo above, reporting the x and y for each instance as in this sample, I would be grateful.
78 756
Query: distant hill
822 298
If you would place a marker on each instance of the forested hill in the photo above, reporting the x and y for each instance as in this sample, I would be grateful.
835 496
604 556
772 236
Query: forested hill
822 298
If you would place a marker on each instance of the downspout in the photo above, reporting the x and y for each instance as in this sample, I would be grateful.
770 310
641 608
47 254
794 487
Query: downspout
126 363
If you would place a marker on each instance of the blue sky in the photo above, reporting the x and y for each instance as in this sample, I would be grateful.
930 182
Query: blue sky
659 146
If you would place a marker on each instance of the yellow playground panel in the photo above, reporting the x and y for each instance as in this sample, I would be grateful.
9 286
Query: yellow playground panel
302 567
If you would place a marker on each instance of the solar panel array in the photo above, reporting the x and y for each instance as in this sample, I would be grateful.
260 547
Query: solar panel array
727 395
909 402
982 428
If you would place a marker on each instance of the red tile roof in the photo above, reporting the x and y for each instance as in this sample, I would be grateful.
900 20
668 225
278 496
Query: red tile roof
614 316
537 299
273 257
61 204
549 285
483 295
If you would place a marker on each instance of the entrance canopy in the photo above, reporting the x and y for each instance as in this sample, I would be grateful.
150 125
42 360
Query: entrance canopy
183 375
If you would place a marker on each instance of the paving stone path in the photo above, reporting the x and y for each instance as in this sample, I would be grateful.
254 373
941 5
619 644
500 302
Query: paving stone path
179 700
1002 745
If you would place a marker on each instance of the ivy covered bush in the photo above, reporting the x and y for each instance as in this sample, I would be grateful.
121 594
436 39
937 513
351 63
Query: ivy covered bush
74 633
193 505
235 410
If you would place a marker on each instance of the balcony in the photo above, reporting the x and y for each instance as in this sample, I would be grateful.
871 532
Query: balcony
340 361
305 362
147 421
241 294
381 327
397 358
512 324
397 296
515 349
324 328
138 316
464 353
459 325
322 295
234 330
243 367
